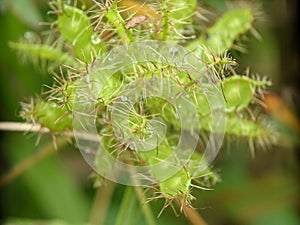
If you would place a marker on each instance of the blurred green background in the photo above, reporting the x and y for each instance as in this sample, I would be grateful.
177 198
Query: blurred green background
260 191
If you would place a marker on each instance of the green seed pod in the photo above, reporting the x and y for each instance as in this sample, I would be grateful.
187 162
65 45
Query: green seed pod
165 110
36 52
200 100
179 184
49 115
109 143
181 11
240 127
239 90
176 186
69 93
244 127
111 89
74 25
158 154
88 51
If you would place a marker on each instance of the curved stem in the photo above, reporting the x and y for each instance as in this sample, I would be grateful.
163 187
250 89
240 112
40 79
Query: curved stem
101 203
126 210
145 207
21 167
142 199
191 214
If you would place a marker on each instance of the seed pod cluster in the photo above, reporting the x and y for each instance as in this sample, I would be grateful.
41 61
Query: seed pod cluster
84 36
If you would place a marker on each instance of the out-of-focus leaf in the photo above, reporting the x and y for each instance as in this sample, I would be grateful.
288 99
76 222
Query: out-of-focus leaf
251 201
38 222
128 212
288 216
13 74
53 191
216 4
26 11
268 197
277 108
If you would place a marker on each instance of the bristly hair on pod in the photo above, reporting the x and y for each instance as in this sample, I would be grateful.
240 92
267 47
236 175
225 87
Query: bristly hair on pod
176 190
42 54
63 91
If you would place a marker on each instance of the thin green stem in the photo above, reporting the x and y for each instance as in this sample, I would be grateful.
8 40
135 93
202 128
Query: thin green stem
116 19
141 197
145 207
32 160
101 203
126 211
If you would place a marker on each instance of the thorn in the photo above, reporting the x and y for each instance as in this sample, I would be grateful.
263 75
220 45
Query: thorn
54 142
255 33
239 48
251 146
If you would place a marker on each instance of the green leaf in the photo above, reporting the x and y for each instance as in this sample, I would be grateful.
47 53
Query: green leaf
26 11
74 25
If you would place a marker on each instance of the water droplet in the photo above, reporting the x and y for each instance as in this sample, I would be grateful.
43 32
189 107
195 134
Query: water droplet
154 55
53 105
31 37
95 39
173 51
112 57
28 34
179 106
123 98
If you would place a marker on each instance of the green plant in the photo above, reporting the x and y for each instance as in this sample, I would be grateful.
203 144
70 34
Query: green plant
83 36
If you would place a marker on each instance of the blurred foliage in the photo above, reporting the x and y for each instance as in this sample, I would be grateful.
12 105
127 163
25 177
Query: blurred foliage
259 191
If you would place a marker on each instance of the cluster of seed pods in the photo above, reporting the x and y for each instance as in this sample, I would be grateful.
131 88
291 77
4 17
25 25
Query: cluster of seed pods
83 39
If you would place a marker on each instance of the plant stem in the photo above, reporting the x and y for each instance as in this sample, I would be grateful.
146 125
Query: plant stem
37 128
126 210
116 19
142 199
21 167
192 215
15 126
145 207
101 203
